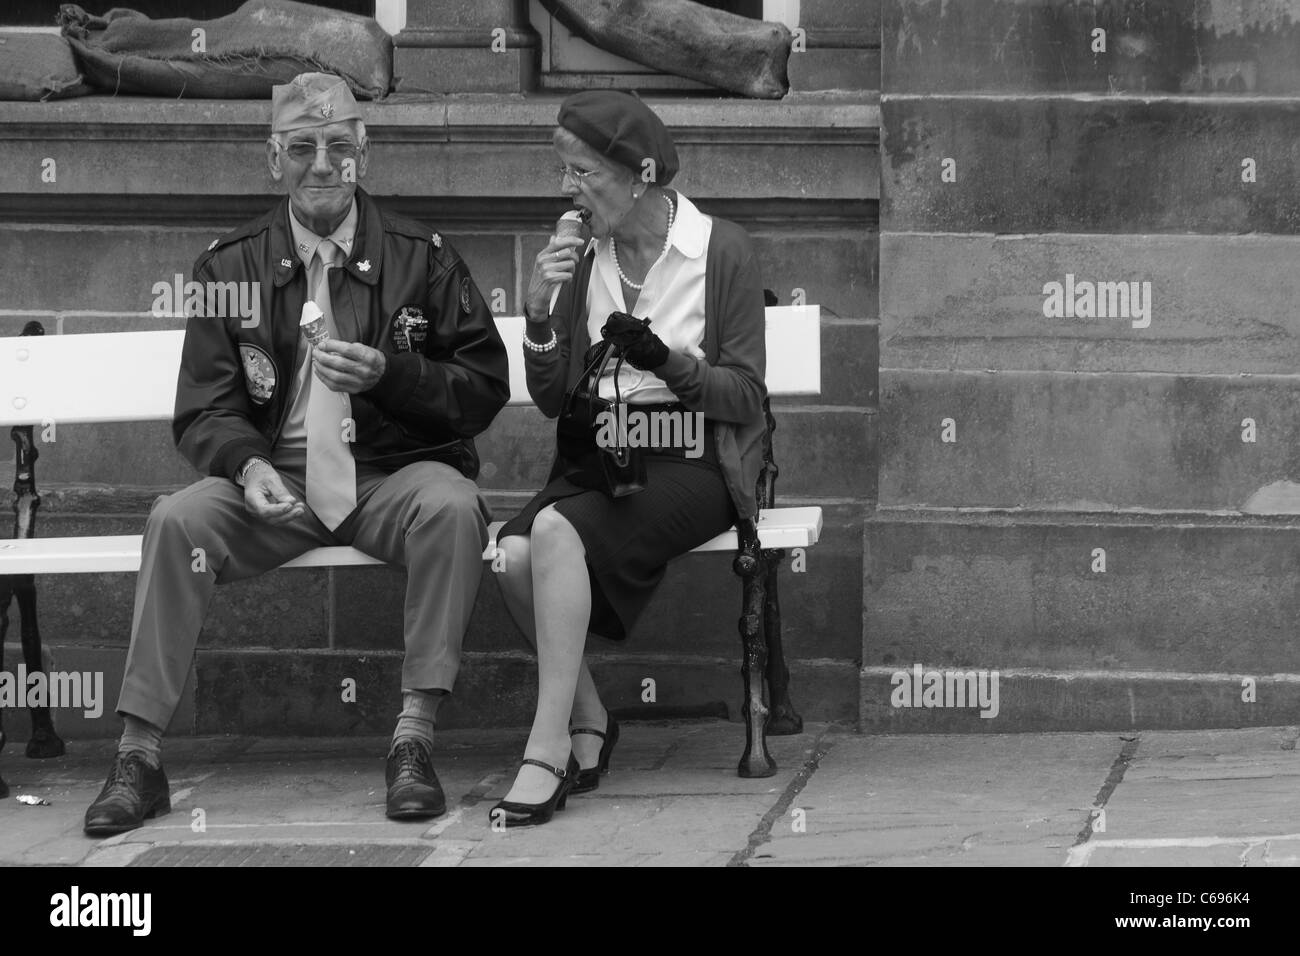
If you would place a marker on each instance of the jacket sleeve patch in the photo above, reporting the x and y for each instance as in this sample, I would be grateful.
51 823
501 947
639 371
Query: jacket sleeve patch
259 373
465 304
409 329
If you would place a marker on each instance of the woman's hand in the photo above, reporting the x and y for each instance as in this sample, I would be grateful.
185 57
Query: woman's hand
642 348
554 266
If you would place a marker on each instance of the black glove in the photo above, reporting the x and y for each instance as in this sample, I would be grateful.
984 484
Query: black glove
641 347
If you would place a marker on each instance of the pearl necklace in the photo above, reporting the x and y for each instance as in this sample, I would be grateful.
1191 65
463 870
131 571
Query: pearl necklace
613 248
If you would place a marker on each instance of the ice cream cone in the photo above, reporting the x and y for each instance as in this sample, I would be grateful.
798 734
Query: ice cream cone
313 323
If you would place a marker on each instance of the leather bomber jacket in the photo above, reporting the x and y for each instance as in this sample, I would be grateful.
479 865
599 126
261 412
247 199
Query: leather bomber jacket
403 290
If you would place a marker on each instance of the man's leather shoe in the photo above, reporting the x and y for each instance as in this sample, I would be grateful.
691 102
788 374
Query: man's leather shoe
133 793
413 789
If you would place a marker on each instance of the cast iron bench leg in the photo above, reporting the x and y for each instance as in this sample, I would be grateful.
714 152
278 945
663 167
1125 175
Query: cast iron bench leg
783 720
44 741
756 762
6 593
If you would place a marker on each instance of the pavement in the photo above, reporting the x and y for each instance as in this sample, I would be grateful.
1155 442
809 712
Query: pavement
1226 798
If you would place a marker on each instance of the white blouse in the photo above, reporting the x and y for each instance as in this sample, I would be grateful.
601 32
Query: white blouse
673 298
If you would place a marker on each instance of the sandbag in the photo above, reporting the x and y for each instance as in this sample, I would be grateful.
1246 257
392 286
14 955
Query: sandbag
38 66
238 56
686 39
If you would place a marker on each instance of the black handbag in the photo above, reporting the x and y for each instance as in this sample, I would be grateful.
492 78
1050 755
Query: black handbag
617 470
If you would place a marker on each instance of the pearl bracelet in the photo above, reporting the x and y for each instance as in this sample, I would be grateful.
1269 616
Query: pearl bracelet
546 347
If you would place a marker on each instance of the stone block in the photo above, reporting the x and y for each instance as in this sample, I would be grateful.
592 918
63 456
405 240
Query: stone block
695 611
836 268
104 664
1036 46
1122 164
1098 442
266 693
823 451
1178 596
464 70
1039 703
863 15
118 453
118 265
821 68
1218 304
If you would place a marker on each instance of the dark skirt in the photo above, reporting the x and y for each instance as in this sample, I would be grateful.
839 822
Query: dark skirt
630 540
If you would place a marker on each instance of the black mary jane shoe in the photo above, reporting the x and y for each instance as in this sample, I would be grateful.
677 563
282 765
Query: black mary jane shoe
512 813
589 779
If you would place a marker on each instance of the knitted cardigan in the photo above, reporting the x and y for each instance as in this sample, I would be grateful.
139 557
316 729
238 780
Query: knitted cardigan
727 385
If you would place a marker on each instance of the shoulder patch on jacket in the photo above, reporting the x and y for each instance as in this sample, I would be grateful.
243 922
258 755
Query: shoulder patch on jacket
442 250
406 227
253 228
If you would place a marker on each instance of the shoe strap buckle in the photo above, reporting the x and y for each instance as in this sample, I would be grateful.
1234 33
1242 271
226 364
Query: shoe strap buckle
546 766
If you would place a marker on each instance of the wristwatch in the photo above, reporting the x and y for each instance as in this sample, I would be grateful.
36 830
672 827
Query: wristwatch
242 474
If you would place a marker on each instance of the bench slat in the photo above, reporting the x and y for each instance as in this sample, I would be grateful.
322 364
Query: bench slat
92 378
778 528
131 376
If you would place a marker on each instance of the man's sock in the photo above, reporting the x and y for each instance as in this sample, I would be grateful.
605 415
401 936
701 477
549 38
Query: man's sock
419 711
143 736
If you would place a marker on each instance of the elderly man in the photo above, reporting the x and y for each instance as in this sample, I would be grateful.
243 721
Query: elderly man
363 439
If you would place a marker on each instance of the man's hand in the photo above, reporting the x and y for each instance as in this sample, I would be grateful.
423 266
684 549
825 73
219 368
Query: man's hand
348 366
266 497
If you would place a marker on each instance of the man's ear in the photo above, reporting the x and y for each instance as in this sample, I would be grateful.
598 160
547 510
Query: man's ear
273 160
363 159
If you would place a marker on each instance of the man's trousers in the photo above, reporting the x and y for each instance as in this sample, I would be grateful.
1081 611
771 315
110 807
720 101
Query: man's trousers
427 517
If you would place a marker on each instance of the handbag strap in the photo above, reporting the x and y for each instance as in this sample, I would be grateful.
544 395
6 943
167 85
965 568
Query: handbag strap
622 454
589 382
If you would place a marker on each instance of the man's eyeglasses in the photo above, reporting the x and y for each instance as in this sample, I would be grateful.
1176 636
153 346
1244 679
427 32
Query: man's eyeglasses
570 172
338 152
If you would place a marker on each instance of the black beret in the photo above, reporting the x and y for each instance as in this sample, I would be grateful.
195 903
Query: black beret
618 125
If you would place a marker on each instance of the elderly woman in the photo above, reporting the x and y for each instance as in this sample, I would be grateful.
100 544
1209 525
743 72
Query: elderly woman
578 560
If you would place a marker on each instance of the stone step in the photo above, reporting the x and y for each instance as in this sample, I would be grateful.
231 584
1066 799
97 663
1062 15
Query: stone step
1251 46
300 693
833 263
1084 441
1218 303
1121 164
499 148
1179 593
1038 702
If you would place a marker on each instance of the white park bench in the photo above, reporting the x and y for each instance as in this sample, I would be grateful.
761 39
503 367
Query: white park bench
131 376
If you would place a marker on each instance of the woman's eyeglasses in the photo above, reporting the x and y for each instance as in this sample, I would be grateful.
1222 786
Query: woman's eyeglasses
571 172
338 152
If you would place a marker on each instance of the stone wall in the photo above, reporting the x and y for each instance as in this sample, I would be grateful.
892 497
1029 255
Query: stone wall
143 186
1147 142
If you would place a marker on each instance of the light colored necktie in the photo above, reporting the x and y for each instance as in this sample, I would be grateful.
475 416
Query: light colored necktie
331 469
